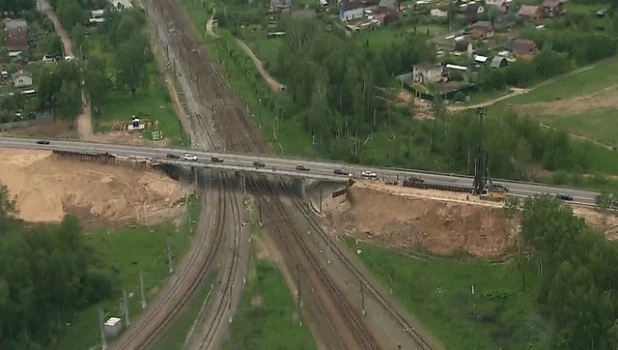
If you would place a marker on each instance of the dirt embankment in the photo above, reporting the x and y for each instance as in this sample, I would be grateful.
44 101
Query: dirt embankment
439 223
46 189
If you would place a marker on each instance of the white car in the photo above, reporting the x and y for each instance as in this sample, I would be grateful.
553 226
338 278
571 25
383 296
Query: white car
368 174
190 157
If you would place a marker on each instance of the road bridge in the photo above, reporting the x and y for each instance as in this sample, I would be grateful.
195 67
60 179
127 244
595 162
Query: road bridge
284 166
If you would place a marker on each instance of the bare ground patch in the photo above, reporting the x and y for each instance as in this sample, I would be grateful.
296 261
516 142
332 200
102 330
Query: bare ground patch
438 222
46 189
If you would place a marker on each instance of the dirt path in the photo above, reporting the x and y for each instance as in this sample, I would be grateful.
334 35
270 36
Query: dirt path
275 86
517 91
209 26
84 120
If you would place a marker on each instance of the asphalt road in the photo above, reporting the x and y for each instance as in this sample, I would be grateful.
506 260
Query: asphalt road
287 165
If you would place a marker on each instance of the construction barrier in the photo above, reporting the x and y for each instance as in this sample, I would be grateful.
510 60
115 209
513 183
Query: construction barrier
439 187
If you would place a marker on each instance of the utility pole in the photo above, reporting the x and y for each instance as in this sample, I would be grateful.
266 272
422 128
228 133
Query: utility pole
126 306
141 287
321 193
390 283
170 258
362 297
103 339
308 225
260 210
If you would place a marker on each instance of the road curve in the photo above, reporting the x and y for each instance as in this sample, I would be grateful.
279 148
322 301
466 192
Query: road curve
287 166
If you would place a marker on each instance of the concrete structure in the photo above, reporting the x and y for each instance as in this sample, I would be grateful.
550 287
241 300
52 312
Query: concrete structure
351 10
112 327
427 72
282 167
22 79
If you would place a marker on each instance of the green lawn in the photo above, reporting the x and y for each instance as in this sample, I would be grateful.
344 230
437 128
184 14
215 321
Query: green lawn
439 293
600 124
175 336
129 250
584 83
267 316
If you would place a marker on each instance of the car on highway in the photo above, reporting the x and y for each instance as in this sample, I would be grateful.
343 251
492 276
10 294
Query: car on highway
366 174
564 196
43 142
302 168
341 172
416 179
172 156
190 157
258 164
216 160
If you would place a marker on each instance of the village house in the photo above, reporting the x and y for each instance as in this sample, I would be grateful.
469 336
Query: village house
22 79
439 11
502 5
553 9
471 11
351 10
16 35
462 45
423 73
525 49
530 12
482 30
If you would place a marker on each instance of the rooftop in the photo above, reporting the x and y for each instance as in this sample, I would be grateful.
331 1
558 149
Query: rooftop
15 24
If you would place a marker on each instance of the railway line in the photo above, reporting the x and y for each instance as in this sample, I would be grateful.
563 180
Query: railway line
159 316
230 115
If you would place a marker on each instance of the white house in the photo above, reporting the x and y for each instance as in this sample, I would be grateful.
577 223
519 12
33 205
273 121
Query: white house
427 72
437 12
351 10
22 79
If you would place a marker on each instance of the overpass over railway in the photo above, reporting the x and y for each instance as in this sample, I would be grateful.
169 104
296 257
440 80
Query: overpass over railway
286 167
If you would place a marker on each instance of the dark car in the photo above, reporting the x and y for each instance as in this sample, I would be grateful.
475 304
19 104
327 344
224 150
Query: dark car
216 159
43 142
416 179
302 168
341 172
564 196
172 156
259 164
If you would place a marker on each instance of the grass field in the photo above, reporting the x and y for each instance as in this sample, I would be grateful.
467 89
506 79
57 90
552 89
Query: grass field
600 125
129 250
267 317
175 337
584 83
498 315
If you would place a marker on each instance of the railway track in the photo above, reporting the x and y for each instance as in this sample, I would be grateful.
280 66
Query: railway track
230 115
158 317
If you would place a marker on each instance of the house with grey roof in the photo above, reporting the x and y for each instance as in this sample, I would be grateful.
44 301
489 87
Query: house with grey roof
498 62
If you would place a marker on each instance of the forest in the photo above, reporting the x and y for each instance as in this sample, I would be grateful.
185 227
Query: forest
47 272
577 268
342 93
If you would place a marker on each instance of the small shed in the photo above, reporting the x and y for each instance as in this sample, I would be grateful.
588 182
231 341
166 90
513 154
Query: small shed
112 327
498 62
22 79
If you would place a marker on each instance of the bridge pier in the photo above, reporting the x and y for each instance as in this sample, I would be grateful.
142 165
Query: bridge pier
240 181
299 184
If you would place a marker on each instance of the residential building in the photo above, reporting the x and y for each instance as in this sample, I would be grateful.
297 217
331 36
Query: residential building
498 62
472 11
22 79
530 12
502 5
482 30
439 12
121 4
16 40
553 9
280 6
16 24
390 5
525 49
351 10
423 73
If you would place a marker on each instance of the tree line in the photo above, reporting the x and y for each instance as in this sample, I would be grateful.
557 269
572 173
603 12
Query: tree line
576 267
47 272
116 56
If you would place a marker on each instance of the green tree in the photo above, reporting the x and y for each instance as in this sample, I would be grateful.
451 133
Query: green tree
97 83
132 61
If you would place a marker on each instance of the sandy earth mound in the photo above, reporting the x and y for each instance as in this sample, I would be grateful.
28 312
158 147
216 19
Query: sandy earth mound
438 226
47 188
441 223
